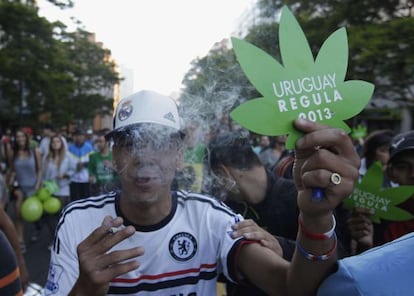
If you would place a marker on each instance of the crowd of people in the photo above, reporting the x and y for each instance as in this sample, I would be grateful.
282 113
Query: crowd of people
155 207
29 159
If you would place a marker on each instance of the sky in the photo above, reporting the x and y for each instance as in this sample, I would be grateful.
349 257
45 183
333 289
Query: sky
156 39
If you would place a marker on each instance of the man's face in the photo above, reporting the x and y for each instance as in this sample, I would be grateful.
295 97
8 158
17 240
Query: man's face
146 164
79 139
100 143
401 169
47 132
264 141
382 154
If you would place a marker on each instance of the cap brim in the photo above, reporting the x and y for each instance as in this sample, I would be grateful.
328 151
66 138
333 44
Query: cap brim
399 151
110 135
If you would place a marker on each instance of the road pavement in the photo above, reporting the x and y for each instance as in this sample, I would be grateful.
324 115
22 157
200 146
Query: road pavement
37 253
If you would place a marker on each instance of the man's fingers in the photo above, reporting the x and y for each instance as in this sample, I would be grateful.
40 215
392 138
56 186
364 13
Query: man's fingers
333 139
117 257
113 237
104 276
122 268
99 233
307 126
248 229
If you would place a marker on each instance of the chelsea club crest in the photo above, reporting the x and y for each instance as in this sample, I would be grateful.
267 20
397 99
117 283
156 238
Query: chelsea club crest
182 246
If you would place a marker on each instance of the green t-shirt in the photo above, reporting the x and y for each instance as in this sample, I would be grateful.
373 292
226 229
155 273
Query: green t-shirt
101 167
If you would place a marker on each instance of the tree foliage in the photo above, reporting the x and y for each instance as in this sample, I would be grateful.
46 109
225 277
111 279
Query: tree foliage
46 70
381 40
213 86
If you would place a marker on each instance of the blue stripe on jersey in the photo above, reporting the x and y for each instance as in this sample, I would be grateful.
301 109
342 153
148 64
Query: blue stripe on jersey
215 204
151 287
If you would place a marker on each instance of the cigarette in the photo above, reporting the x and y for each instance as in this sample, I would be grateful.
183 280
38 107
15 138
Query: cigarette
113 230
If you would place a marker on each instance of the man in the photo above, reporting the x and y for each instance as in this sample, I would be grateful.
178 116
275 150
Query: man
400 171
147 240
80 151
102 177
255 192
384 270
19 267
10 282
250 188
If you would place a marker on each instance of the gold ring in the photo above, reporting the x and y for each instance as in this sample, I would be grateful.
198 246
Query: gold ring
336 178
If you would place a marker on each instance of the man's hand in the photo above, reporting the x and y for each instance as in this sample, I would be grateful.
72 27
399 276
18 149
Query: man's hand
97 265
251 231
361 228
321 152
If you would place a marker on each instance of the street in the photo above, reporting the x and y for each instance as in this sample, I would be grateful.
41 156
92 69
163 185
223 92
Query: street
37 254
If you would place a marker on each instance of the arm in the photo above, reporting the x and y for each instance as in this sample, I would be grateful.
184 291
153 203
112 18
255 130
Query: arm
319 153
9 230
92 169
251 231
39 172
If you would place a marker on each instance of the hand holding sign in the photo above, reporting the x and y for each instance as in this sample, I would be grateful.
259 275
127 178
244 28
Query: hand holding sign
369 194
302 86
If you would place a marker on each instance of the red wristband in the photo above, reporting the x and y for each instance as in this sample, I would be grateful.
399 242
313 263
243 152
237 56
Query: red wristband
317 236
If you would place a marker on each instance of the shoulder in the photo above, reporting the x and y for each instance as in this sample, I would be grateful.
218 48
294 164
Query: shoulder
86 211
203 201
384 270
83 207
91 202
94 154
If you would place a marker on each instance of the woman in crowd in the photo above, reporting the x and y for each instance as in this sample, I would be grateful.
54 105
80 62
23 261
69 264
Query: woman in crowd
25 174
59 167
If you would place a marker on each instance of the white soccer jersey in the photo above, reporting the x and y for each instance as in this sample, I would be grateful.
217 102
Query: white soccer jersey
184 253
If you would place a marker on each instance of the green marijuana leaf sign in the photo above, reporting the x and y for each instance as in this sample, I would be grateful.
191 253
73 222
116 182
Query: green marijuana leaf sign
369 194
301 87
359 132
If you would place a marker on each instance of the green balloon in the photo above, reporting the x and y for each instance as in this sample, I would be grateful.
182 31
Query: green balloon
43 194
52 205
32 209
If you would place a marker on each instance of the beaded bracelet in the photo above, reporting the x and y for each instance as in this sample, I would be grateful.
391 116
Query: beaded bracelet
322 257
317 236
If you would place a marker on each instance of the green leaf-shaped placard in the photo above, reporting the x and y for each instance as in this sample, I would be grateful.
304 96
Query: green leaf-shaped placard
369 194
302 86
359 132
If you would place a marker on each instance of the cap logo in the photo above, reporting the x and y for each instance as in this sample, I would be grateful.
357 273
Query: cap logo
125 111
169 116
395 145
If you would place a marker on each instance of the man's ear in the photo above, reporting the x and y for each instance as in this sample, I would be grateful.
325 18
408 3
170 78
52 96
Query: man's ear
225 171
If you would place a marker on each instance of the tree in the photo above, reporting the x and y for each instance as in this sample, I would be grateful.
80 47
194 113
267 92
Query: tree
93 74
213 86
46 70
29 62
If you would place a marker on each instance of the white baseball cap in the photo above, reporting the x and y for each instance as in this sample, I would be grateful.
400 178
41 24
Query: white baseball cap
145 107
